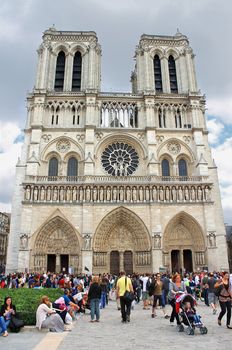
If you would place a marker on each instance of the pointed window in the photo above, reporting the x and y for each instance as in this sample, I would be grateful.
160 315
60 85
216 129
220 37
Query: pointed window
172 74
76 78
53 167
157 74
72 167
60 68
182 165
165 167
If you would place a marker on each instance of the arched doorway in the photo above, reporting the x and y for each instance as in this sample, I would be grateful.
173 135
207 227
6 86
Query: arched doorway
121 242
183 244
56 248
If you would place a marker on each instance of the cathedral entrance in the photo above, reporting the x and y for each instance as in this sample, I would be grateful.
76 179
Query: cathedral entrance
51 262
56 248
114 262
183 244
121 242
128 262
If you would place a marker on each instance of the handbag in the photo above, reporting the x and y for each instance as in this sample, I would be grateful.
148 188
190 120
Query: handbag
128 296
15 324
217 290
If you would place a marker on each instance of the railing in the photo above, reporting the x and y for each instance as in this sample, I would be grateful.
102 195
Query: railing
104 179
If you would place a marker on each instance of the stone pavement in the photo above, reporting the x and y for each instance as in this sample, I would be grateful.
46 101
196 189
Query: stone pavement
142 332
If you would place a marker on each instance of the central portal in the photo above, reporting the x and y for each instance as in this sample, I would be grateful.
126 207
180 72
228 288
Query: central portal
121 242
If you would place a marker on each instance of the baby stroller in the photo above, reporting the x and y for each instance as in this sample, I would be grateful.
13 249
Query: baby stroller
188 316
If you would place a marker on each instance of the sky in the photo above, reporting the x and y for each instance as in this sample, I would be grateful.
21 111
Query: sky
119 25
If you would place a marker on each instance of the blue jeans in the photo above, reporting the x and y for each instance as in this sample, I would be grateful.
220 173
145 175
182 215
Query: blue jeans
94 309
3 324
103 300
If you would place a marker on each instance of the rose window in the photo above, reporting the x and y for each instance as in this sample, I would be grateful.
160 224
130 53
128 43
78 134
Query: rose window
120 159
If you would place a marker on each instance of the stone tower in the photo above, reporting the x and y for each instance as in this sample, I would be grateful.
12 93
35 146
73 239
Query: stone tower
113 181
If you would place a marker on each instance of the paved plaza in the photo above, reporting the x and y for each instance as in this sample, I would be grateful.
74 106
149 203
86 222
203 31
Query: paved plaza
142 332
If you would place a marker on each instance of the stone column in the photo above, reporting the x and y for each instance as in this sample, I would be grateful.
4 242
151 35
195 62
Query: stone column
68 72
121 260
58 267
165 74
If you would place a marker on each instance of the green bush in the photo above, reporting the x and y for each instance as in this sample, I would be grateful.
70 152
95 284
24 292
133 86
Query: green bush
27 300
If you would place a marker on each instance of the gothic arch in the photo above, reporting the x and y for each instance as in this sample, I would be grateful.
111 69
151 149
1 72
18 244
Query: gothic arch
132 224
56 236
119 234
50 147
122 137
186 150
60 47
183 231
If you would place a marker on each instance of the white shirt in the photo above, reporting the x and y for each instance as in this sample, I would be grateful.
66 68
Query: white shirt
41 314
144 280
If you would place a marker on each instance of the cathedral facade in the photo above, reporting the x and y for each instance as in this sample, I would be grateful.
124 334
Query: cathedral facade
113 181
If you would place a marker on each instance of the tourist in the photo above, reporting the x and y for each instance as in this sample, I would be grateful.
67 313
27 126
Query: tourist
145 297
48 318
205 288
225 297
6 311
124 284
104 289
176 287
211 295
94 296
157 296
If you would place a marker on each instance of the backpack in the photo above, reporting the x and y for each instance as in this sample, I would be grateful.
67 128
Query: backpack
151 288
217 290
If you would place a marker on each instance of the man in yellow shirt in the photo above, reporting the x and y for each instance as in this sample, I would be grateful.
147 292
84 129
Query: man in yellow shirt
124 284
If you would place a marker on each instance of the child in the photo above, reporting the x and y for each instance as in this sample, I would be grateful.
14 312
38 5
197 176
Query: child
191 313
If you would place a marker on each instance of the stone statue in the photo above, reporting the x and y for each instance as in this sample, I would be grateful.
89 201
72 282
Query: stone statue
134 194
199 193
35 193
87 243
48 193
167 194
68 194
28 193
180 194
42 194
101 194
141 194
174 194
157 241
115 191
61 194
108 194
212 240
24 241
193 194
147 193
161 194
154 193
95 194
74 194
87 194
121 194
128 194
121 168
81 194
186 194
55 194
207 194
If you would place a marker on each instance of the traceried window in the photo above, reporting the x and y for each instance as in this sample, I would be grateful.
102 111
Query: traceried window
53 167
172 74
162 117
178 119
157 74
60 69
165 167
120 159
182 165
76 77
72 167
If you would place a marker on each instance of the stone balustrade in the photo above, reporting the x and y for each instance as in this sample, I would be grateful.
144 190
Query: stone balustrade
97 193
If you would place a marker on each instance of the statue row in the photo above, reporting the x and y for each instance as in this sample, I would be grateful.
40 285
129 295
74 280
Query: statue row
143 258
143 193
99 259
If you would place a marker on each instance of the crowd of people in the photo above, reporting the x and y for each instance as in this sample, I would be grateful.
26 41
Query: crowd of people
84 292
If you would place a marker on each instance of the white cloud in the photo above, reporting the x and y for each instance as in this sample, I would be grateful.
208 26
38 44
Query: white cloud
10 152
215 129
220 107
